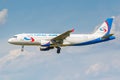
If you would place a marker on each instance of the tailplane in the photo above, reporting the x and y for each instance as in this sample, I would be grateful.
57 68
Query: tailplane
105 28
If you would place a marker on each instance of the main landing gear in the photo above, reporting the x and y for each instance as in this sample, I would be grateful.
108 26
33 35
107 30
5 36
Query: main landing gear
58 49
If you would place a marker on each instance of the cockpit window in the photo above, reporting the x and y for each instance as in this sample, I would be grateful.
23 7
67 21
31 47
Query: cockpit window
14 36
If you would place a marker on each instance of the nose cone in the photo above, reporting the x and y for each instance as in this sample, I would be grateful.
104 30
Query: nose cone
12 41
9 40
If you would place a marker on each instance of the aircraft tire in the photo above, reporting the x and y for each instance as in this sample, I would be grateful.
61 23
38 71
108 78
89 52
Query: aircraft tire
58 50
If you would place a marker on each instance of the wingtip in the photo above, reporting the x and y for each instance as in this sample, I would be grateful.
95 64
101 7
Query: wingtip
73 30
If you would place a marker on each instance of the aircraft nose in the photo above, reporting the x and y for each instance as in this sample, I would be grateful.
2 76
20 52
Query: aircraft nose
10 40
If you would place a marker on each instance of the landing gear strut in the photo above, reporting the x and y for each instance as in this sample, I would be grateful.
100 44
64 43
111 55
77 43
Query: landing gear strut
22 49
58 49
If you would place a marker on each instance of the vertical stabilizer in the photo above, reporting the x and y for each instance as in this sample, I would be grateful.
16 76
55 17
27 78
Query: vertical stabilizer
105 28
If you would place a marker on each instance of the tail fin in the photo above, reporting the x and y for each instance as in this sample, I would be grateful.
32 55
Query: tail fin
105 28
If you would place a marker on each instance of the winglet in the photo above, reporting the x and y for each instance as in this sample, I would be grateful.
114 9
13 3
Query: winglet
73 30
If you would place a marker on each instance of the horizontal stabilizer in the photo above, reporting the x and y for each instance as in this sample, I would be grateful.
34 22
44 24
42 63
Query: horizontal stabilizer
107 36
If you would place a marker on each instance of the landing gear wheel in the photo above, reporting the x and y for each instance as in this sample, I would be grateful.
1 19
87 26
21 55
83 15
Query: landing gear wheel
22 49
58 50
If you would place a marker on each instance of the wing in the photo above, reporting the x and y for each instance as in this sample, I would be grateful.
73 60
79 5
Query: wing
57 41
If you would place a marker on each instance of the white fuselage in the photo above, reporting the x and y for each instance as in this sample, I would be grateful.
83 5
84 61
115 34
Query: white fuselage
39 38
50 41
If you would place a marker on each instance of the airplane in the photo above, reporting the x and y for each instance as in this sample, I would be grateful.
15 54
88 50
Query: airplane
51 41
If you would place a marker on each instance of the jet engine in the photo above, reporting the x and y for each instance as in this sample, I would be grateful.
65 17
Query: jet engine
45 43
45 48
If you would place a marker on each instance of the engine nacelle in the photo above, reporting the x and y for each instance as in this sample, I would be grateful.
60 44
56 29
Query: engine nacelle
46 48
45 43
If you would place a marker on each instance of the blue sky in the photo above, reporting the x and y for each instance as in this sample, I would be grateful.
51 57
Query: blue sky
93 62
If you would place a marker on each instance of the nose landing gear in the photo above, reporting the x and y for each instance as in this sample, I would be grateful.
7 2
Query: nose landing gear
22 49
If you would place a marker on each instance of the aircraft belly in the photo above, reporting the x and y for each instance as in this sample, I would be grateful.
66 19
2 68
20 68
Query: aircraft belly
27 43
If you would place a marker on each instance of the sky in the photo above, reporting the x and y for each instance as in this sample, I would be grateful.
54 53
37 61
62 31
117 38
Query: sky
93 62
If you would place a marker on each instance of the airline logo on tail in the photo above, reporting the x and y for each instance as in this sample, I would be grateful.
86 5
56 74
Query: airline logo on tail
105 27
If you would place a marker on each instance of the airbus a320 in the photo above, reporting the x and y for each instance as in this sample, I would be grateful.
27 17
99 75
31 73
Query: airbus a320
51 41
